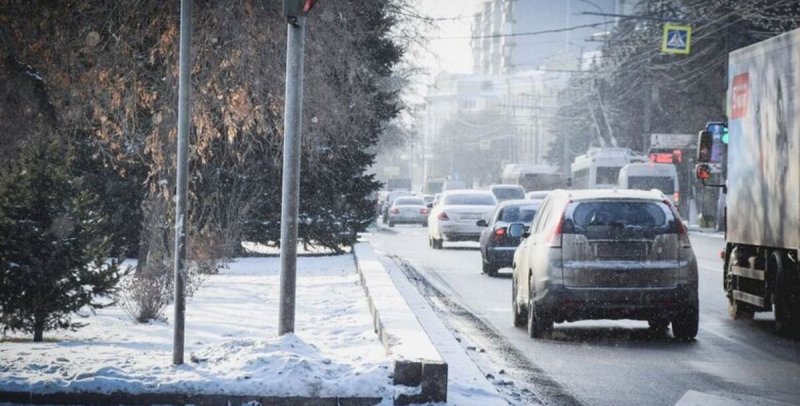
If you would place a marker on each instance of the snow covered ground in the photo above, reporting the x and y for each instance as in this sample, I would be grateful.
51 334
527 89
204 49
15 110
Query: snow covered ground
232 345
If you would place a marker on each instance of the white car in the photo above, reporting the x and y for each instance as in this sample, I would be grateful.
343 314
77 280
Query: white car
456 214
408 210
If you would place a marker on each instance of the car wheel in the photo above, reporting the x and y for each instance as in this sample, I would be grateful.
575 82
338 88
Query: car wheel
539 324
489 269
686 323
425 224
519 316
391 224
438 243
658 325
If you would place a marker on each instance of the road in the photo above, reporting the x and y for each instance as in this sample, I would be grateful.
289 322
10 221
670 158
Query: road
623 362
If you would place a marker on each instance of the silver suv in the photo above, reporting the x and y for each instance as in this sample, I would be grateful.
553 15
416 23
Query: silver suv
605 254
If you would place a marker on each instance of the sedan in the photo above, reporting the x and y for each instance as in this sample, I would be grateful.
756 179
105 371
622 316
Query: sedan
615 254
455 216
408 210
497 246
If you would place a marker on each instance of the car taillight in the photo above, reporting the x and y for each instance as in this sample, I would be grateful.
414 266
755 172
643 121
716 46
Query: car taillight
683 233
499 233
676 197
423 211
554 240
394 210
443 216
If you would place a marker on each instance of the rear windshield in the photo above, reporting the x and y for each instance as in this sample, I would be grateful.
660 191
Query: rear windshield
517 214
469 200
508 193
663 183
607 175
408 201
621 214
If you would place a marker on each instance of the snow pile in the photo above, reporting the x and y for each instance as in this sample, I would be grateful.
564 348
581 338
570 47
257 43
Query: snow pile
232 345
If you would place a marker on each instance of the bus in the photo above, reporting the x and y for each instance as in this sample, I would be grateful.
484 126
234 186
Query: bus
647 176
533 177
599 168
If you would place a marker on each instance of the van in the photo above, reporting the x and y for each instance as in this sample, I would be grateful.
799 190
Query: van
648 176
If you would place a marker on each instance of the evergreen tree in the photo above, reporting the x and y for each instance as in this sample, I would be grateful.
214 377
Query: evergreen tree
53 261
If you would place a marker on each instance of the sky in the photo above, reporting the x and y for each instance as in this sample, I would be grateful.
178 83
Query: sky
453 54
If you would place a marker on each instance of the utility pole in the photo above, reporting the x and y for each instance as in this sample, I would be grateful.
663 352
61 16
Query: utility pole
181 196
648 112
294 11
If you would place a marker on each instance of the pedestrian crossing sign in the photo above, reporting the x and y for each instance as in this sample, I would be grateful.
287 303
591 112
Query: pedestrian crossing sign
677 39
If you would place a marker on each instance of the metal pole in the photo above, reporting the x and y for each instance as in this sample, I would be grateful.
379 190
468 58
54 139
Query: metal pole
184 104
292 125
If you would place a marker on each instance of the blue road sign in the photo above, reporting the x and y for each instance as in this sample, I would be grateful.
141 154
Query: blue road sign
677 39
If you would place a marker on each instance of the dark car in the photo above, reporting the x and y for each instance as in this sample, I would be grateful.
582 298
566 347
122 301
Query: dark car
497 247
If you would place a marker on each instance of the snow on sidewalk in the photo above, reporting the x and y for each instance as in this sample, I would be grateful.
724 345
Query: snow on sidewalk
232 345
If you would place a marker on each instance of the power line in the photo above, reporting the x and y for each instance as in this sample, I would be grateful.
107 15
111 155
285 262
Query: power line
526 34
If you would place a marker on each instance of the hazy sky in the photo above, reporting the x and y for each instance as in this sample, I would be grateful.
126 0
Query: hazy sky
452 55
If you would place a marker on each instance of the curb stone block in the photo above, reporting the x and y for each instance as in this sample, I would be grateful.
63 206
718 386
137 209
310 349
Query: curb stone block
118 398
417 362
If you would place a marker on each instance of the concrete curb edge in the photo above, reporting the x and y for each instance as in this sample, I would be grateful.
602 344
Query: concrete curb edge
119 398
417 362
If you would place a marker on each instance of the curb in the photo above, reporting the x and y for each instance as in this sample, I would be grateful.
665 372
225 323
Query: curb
417 362
64 398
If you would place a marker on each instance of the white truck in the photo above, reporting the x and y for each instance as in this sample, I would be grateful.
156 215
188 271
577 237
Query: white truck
762 270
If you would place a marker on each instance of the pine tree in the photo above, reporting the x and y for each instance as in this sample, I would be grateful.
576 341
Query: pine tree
53 262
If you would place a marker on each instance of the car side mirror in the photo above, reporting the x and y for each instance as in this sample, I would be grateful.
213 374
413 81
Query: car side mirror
482 223
517 230
705 142
702 171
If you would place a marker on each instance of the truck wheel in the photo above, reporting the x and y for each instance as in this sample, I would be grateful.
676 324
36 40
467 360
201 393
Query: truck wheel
520 317
539 324
787 299
686 324
736 310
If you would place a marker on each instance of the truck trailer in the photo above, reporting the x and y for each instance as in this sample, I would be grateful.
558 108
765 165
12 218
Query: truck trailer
761 268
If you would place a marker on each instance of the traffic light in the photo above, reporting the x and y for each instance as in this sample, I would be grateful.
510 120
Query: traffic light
296 8
724 137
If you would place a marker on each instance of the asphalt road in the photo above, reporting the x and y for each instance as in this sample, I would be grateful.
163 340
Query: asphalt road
622 362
